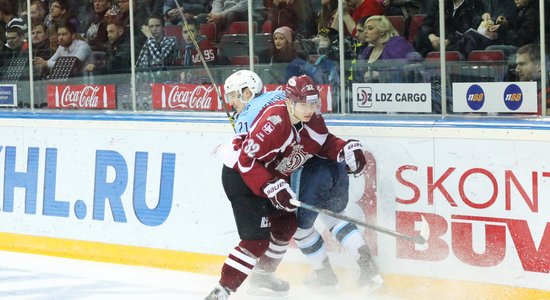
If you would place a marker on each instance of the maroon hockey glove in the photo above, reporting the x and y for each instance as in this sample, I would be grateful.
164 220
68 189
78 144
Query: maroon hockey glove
354 156
279 193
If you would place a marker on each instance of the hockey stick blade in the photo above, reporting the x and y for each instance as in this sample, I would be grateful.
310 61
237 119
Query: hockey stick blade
419 239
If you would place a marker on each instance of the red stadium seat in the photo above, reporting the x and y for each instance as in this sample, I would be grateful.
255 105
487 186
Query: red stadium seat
483 55
398 23
209 30
173 30
449 56
414 27
241 27
267 27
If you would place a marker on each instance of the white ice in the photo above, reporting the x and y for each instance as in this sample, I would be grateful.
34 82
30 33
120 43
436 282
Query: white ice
37 277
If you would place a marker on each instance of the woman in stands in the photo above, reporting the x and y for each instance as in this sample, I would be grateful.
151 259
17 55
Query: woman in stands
284 55
384 44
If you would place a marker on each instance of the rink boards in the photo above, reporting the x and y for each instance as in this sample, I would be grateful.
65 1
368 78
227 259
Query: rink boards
146 190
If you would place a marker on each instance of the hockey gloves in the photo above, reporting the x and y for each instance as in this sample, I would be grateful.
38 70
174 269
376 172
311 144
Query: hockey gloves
279 193
354 156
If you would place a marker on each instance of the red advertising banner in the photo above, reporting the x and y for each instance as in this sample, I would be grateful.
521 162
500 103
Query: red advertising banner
325 91
82 96
184 97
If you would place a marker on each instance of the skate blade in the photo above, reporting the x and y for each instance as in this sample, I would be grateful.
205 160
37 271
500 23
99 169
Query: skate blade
264 292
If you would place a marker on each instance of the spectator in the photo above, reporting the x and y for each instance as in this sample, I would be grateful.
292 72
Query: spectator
38 11
40 41
96 32
14 45
60 14
52 33
225 12
284 53
528 68
355 10
121 14
528 63
6 14
190 55
459 17
69 45
40 47
118 54
326 15
190 9
158 51
384 44
297 15
520 30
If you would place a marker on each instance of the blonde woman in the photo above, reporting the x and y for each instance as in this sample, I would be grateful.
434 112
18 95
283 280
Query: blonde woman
384 43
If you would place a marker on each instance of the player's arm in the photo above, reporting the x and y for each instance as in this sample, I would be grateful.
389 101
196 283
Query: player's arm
350 151
267 137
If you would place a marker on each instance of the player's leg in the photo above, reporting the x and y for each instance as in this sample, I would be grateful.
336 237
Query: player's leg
251 216
313 183
347 234
263 280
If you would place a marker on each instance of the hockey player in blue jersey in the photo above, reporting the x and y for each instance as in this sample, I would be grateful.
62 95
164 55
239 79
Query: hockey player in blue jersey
321 182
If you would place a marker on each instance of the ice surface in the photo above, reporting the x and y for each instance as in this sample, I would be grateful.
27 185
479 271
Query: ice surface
37 277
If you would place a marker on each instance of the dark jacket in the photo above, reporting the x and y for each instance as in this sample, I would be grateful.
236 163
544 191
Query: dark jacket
467 16
523 29
118 56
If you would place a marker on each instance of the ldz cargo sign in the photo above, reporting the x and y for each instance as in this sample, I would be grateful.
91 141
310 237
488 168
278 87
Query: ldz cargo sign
391 97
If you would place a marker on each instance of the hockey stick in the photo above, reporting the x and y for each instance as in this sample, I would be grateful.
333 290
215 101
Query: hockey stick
218 93
421 238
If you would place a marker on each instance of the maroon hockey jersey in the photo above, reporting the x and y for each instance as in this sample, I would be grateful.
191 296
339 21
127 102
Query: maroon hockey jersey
274 148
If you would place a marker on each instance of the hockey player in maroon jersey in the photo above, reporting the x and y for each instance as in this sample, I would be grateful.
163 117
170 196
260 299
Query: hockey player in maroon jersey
283 137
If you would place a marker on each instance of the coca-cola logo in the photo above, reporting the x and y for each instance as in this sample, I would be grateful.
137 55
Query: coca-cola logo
200 97
86 97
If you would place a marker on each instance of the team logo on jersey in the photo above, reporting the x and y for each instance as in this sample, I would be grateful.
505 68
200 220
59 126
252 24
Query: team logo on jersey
251 148
296 158
275 119
268 128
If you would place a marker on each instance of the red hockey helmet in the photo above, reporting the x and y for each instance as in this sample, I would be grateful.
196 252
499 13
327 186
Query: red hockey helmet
302 89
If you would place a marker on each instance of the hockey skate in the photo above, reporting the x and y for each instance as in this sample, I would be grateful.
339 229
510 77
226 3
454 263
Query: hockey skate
218 293
323 279
266 284
369 278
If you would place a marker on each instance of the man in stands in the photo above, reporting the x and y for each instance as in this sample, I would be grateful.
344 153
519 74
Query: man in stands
13 47
191 57
68 46
118 53
158 51
528 68
284 136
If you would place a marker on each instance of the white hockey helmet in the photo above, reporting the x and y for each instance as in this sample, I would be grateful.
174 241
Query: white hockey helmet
239 80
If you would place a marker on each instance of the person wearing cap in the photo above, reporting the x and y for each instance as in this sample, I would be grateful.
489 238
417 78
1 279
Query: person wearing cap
284 53
284 136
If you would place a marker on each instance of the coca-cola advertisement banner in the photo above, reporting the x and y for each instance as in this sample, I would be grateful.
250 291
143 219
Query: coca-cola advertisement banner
325 91
185 97
82 96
